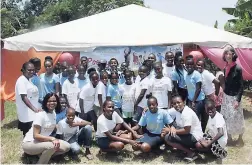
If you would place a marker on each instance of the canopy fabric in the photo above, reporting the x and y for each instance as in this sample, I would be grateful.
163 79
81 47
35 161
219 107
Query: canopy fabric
131 25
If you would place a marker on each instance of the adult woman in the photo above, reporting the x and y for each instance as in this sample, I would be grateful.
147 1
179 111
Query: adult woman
49 81
27 96
231 105
38 140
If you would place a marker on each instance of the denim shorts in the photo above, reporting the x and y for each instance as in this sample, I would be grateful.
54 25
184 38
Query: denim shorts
103 142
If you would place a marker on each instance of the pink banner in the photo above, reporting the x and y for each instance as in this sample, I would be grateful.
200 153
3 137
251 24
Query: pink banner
244 59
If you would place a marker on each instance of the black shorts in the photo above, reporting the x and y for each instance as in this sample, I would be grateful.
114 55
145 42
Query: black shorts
24 127
188 140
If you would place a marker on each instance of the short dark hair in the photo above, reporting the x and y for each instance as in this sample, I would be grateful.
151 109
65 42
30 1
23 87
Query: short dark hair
232 50
106 102
45 100
209 102
178 96
102 73
48 58
84 57
91 74
189 57
128 71
114 59
152 97
25 65
35 60
178 53
112 73
203 60
91 70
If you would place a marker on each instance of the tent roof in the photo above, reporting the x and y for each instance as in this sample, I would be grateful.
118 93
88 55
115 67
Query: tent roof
131 25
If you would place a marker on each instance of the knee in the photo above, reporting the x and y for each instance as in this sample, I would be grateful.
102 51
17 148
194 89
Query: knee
145 147
75 150
119 146
64 146
88 128
167 139
198 146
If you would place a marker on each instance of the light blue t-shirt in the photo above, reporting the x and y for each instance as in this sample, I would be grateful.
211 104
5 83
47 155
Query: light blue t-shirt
60 116
36 81
191 81
180 78
62 79
121 78
81 83
48 84
155 122
113 91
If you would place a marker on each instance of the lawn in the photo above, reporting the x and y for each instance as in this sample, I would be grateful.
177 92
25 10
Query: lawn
11 151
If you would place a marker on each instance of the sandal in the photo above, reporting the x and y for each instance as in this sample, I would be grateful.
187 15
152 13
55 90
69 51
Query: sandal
191 159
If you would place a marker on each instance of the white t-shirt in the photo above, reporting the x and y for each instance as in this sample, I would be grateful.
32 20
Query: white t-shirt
88 95
128 97
212 128
144 84
47 122
72 91
67 131
101 89
167 71
207 82
160 88
189 118
105 125
24 86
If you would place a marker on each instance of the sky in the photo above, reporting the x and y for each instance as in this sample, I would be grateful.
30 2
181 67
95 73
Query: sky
205 12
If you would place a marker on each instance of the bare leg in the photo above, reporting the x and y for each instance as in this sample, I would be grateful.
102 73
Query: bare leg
114 146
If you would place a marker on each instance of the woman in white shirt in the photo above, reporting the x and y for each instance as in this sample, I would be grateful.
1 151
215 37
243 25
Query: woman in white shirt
215 137
38 140
27 96
109 137
189 131
161 87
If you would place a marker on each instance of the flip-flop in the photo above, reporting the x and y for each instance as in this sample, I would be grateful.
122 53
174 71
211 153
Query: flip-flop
191 159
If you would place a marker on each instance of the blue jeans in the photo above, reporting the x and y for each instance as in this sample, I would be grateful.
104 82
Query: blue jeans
83 137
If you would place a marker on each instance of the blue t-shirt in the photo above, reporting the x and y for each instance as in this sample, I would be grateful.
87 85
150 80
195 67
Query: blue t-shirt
62 79
81 83
48 84
36 81
155 122
115 94
60 116
180 78
121 78
191 81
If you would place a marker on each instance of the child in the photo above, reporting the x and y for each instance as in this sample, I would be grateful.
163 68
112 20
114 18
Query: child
81 79
101 92
124 66
178 76
154 120
64 72
64 105
142 89
215 138
189 131
168 67
114 94
108 137
49 81
68 130
87 98
196 97
70 88
113 64
128 90
161 87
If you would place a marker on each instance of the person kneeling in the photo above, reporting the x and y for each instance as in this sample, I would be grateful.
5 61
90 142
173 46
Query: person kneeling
109 136
215 137
68 130
188 131
154 119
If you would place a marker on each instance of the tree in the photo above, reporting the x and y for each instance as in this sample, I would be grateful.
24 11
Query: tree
242 24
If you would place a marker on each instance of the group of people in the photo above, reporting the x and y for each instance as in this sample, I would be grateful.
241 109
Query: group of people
178 104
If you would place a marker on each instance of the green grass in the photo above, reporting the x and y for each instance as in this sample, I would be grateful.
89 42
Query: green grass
11 151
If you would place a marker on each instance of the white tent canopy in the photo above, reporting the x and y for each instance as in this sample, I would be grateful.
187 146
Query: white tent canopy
131 25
